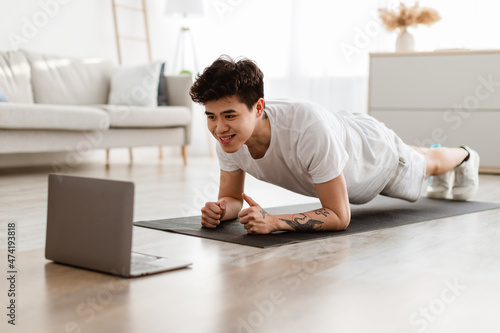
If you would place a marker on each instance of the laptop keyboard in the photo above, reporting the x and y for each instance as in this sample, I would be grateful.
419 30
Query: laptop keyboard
143 263
141 266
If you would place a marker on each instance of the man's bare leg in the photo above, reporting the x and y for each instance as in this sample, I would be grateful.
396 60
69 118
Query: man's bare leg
441 159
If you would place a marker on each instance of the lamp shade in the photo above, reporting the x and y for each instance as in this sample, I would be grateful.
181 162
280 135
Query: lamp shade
185 7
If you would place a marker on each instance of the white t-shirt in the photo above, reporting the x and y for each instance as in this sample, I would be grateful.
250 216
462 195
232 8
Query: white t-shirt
310 145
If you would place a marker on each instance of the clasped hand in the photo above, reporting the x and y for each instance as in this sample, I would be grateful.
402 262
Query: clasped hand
254 219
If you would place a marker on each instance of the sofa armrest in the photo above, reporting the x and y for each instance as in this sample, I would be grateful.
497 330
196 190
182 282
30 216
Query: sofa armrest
178 90
178 95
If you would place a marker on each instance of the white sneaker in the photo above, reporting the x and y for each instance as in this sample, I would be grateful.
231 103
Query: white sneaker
439 186
466 177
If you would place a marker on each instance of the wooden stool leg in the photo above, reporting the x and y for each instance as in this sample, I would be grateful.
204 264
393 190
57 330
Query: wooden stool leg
107 158
131 155
160 152
184 154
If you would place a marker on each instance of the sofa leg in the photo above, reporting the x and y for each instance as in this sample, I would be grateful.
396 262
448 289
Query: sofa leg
160 152
107 158
131 155
184 155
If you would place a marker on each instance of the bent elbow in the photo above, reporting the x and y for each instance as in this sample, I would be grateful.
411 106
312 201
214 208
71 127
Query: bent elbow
344 222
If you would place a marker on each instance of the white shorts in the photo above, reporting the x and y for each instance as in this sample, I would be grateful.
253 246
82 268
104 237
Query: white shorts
409 176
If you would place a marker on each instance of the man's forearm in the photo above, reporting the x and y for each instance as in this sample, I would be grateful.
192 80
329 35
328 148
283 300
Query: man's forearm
315 220
233 207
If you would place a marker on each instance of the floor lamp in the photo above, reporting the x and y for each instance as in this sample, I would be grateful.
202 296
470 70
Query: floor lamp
184 8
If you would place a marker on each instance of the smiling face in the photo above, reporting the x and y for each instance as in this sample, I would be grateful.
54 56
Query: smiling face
232 123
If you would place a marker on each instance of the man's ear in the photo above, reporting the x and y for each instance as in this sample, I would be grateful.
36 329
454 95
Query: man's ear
259 106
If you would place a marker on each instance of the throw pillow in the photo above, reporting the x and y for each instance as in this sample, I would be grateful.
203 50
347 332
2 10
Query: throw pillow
3 98
135 85
162 87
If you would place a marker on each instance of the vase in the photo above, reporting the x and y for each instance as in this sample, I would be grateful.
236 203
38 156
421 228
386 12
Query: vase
405 41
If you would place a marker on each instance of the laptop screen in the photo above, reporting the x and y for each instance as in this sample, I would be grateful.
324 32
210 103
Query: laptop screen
89 223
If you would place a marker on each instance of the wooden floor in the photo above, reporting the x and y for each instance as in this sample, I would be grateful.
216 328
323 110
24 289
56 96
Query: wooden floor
435 276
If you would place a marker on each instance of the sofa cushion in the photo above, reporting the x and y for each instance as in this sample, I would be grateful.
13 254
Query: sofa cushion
53 117
135 85
162 88
143 117
15 77
69 81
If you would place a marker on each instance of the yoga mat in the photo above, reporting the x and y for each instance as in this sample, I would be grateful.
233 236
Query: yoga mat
380 213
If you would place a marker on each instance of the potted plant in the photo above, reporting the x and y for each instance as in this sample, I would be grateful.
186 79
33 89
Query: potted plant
407 17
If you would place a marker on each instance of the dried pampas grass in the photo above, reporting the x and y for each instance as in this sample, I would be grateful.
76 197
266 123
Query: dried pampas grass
408 16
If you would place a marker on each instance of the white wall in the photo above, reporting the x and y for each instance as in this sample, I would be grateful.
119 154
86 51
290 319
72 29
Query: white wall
86 28
264 30
69 27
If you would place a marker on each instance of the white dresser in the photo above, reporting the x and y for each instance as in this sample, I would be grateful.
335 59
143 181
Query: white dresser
451 98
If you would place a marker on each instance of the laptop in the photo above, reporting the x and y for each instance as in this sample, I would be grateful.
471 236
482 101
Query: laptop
89 225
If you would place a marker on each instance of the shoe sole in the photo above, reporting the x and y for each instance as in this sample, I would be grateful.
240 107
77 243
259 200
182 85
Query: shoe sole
436 195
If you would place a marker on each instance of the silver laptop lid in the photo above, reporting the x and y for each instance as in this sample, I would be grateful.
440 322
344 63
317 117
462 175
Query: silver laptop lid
89 223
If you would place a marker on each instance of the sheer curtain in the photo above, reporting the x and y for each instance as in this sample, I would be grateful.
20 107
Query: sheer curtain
319 50
328 52
309 49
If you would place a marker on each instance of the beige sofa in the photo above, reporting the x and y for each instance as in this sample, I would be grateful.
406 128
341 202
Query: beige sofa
58 104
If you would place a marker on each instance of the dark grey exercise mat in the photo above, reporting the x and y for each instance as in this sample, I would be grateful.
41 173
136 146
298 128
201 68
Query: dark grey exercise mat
380 213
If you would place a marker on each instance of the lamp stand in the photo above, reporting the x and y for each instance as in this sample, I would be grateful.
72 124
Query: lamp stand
185 36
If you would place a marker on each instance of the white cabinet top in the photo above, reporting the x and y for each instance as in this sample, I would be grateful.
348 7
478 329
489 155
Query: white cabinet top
453 80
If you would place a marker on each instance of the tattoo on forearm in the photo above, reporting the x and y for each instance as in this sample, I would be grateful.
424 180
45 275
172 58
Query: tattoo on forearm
263 212
322 211
302 222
